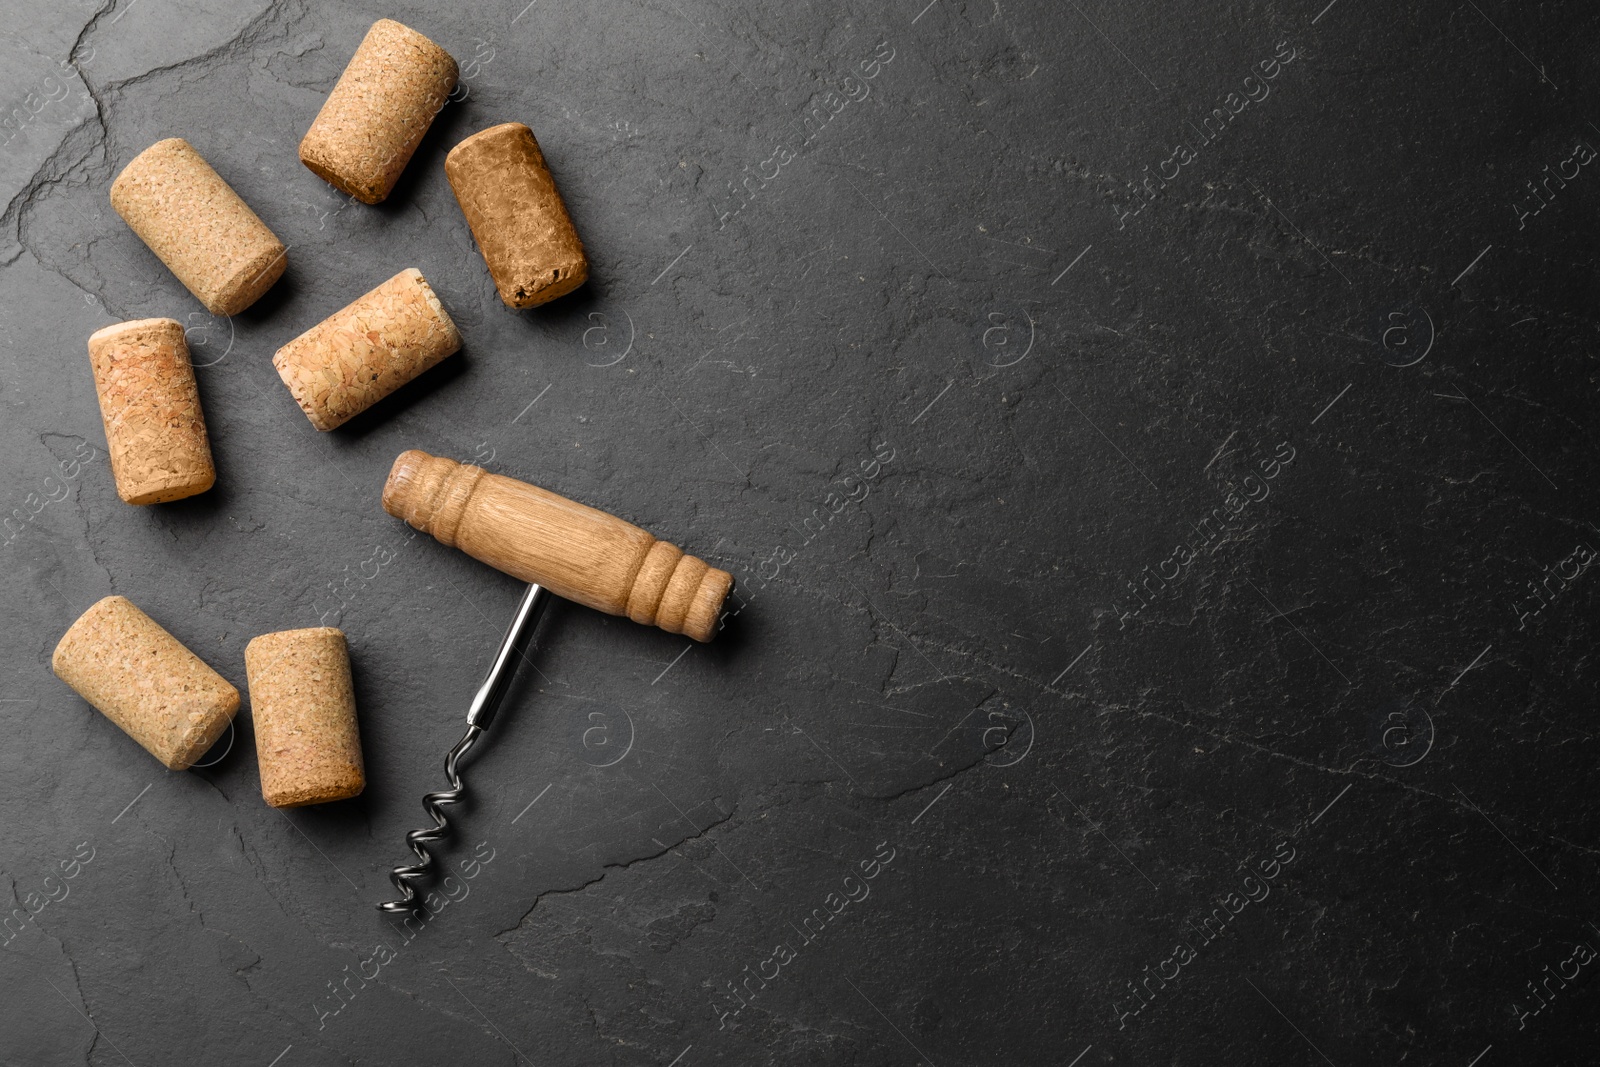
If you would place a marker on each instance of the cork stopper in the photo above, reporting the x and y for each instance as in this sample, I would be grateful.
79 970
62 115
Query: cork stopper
304 707
362 353
517 215
198 226
143 679
150 405
377 114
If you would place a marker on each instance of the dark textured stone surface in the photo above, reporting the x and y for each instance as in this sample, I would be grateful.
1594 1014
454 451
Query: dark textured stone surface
942 658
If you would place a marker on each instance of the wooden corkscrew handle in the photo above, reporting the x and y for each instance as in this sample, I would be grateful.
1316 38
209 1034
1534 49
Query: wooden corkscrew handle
573 550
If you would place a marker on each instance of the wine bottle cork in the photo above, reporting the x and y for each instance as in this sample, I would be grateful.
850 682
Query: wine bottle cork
517 216
377 114
575 551
150 404
362 353
304 708
143 679
196 224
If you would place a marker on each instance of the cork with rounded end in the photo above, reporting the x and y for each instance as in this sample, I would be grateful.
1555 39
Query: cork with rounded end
304 707
143 679
198 226
150 404
517 215
377 114
362 353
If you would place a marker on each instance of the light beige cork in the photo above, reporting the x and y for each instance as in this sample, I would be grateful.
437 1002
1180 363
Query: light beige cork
357 356
377 114
517 215
155 430
143 679
304 707
197 225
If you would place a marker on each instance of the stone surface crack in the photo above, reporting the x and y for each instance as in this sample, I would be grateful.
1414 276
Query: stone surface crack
610 867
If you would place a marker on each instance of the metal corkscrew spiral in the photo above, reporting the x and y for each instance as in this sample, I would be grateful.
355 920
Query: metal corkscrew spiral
513 648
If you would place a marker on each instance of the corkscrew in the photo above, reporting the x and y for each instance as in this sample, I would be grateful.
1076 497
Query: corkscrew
565 549
513 648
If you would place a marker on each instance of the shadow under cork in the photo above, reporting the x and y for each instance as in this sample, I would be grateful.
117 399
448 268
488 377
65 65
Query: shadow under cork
349 819
436 379
229 765
201 511
450 127
222 758
565 313
269 304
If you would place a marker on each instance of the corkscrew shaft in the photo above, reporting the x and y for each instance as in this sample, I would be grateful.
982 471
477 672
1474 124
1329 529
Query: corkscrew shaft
512 651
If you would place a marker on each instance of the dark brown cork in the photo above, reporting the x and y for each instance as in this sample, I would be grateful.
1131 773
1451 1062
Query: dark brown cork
517 215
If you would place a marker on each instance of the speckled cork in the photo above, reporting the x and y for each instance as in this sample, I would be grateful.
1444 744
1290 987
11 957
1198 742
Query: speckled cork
304 708
197 225
384 102
155 430
517 215
359 355
143 679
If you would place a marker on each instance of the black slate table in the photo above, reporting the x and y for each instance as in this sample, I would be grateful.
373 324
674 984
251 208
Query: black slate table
1154 444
